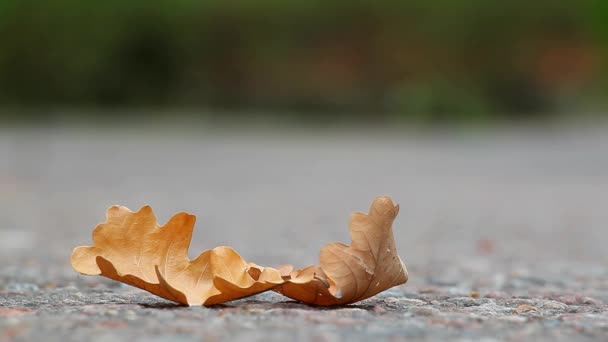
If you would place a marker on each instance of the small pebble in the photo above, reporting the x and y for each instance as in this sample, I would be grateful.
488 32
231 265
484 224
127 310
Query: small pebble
22 287
111 312
424 311
590 301
554 305
408 301
130 315
464 301
513 318
379 309
525 308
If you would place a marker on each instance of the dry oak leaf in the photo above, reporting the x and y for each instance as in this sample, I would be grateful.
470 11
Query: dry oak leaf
132 248
348 274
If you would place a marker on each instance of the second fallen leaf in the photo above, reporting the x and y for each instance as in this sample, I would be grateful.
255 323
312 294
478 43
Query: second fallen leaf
348 274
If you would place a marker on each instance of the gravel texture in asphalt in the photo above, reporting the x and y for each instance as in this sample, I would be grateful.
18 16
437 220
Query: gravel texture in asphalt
504 234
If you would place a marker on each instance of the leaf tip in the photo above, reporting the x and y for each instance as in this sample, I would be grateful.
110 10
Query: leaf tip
384 206
146 209
83 260
117 209
384 201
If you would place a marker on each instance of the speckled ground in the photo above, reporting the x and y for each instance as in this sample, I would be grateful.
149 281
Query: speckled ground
504 233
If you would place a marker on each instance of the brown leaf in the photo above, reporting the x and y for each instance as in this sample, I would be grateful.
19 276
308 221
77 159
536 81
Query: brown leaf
132 248
349 274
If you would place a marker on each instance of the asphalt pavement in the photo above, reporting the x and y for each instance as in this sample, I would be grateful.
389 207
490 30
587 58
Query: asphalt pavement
504 233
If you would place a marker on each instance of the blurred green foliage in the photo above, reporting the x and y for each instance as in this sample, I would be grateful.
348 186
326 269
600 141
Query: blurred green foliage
432 60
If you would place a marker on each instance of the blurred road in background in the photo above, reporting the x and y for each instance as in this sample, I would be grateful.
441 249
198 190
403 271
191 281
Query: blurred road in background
518 215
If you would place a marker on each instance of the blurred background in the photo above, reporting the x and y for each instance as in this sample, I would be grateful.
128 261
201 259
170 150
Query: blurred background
273 120
414 61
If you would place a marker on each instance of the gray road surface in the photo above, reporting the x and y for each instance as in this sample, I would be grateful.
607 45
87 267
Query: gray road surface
519 216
